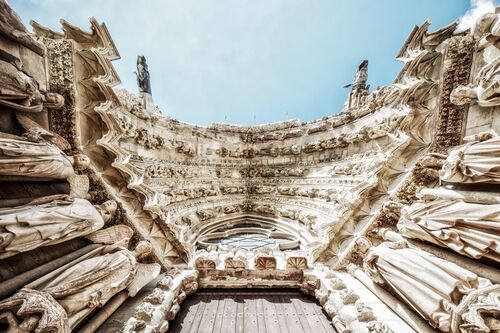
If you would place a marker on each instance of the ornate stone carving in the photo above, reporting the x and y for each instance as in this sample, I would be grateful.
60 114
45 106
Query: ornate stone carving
263 263
20 92
458 61
486 89
467 228
36 160
296 263
92 282
434 295
49 220
33 311
475 162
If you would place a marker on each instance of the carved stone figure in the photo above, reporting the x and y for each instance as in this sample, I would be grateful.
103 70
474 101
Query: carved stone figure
58 305
487 30
469 229
486 89
431 286
12 28
49 220
143 75
20 92
36 160
92 282
476 162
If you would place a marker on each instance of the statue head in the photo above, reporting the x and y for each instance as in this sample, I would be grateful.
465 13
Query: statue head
81 161
143 248
108 210
462 95
53 100
364 312
483 24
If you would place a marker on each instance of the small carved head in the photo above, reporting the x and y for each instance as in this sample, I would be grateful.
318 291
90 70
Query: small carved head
483 24
53 101
462 95
364 312
142 249
81 161
108 210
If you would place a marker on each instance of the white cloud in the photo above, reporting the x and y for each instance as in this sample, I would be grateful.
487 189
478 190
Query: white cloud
477 8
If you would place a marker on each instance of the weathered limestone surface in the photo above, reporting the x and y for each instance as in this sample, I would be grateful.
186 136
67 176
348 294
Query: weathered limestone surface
99 191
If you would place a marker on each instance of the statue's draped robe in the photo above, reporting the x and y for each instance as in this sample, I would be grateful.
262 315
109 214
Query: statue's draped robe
488 89
18 88
469 229
91 283
477 162
23 158
430 285
46 224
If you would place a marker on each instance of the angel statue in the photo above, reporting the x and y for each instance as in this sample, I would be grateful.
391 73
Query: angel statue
20 157
85 286
50 220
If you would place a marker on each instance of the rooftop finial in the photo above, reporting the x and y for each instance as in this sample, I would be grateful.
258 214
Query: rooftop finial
143 75
359 86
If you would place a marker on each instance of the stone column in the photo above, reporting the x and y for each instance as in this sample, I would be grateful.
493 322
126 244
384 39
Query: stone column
411 318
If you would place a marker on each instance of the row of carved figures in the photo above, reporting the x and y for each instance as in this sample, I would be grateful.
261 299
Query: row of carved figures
450 297
60 299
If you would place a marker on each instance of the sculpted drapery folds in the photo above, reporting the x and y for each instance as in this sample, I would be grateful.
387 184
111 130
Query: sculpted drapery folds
431 286
90 284
469 229
475 162
486 91
36 160
20 92
49 220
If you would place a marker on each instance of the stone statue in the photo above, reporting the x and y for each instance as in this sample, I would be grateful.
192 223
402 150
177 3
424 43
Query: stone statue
475 162
486 90
143 75
20 92
360 78
486 30
49 220
90 283
469 229
433 287
36 160
12 28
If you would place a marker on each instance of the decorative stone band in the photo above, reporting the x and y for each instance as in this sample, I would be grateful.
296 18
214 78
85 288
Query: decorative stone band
478 311
30 309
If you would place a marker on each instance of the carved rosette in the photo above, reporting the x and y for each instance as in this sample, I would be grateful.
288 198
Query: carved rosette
263 263
296 263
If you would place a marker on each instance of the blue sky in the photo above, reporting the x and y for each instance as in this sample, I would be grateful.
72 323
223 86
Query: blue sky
251 61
